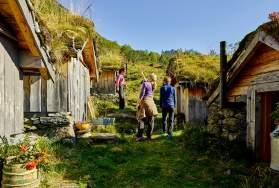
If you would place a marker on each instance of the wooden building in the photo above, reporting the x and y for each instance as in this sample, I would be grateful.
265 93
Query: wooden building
252 77
70 89
20 53
190 101
106 82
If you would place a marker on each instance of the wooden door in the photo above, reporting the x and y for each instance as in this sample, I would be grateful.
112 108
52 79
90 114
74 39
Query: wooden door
265 129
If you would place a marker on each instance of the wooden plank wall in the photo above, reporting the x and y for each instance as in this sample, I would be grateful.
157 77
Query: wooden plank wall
197 108
68 93
264 61
182 100
190 103
79 89
11 89
106 83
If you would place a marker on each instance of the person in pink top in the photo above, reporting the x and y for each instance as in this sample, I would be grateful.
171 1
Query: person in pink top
120 88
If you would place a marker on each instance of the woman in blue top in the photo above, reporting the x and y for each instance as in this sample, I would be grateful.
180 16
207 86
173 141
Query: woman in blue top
168 104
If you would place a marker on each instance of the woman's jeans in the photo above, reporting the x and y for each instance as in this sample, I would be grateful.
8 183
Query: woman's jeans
168 125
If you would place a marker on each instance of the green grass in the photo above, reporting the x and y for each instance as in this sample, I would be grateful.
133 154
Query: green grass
159 163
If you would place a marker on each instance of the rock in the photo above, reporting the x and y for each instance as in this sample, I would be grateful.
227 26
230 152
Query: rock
54 121
64 132
233 137
86 135
228 172
228 113
30 127
79 132
231 122
36 121
214 130
104 136
240 116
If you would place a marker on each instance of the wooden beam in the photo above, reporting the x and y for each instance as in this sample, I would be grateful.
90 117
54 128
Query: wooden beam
29 61
223 65
24 27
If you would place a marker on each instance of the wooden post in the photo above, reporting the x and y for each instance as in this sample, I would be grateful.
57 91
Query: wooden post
126 68
223 63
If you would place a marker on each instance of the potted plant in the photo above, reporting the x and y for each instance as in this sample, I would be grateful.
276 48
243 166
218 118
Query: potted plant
21 162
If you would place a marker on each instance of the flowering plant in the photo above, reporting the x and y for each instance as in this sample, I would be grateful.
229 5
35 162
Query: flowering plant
274 16
30 156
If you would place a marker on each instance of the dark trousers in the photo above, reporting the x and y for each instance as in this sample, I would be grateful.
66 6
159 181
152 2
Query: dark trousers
121 97
168 119
149 121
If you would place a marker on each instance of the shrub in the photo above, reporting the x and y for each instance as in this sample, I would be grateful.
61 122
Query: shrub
198 140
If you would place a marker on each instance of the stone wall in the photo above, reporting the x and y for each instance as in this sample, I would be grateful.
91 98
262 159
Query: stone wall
229 122
53 125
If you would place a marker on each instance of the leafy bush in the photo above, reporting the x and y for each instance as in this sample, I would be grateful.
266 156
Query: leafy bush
275 113
260 177
198 140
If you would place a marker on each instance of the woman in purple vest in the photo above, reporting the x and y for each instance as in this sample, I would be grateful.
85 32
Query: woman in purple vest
147 109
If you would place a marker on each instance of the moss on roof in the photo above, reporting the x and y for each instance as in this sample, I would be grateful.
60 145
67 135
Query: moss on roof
60 26
195 67
271 28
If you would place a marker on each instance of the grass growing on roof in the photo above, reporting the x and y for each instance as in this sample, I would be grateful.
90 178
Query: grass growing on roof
195 67
59 26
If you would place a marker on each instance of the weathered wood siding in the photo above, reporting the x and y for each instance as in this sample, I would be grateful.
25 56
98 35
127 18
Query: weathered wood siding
106 83
197 108
265 60
11 89
191 104
68 93
70 90
182 100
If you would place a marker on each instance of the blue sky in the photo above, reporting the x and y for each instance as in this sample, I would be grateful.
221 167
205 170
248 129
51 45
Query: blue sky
171 24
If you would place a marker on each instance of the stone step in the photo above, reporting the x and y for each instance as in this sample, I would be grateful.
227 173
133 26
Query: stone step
104 136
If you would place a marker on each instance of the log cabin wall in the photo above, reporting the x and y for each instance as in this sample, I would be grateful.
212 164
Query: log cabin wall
106 83
265 60
11 88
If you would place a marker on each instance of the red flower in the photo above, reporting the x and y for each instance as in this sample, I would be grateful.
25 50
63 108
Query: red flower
23 148
31 165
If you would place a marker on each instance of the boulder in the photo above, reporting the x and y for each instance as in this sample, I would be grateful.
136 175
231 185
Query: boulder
228 113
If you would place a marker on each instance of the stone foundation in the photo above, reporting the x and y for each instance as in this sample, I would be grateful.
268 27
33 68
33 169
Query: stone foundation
229 123
53 125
